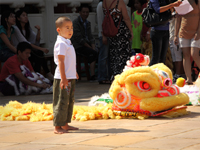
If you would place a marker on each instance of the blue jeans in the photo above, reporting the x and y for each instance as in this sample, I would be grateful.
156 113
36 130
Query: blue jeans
103 62
160 43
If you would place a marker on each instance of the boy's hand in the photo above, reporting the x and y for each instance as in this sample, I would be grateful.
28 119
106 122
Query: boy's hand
77 77
63 83
44 85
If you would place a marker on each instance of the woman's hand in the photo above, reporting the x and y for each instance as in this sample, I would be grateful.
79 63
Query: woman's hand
37 27
177 3
45 50
196 36
176 42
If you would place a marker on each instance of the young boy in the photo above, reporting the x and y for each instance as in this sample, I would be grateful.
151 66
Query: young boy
65 76
12 75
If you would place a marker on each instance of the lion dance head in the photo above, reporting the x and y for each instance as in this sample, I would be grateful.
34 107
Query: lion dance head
146 90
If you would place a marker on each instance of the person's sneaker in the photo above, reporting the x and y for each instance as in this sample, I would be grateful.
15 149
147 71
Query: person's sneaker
49 76
93 78
175 77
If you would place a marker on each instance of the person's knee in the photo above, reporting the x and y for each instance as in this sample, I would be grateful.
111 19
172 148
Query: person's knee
186 56
195 57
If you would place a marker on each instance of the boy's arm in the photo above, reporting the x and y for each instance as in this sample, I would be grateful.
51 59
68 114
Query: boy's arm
64 81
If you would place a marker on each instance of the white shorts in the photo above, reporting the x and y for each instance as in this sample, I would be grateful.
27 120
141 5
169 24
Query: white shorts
189 43
175 52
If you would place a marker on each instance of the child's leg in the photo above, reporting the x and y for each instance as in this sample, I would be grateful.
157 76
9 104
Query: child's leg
60 106
70 107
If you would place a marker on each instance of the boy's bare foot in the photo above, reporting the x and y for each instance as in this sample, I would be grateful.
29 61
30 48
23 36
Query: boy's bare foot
59 130
67 127
72 128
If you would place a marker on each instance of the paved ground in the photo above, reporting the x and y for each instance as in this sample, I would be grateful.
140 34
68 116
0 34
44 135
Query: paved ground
181 133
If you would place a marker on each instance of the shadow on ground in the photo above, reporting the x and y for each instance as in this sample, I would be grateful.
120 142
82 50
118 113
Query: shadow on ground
111 130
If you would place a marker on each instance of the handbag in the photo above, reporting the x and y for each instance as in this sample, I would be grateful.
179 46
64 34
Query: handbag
153 19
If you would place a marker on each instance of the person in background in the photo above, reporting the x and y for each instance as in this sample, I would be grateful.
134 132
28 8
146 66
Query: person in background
176 52
160 34
6 30
120 44
10 36
12 68
103 60
187 35
37 56
83 40
137 24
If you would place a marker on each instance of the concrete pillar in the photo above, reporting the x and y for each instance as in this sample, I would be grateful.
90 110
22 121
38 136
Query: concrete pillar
49 24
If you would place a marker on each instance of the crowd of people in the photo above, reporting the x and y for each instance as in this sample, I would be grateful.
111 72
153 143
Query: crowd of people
179 35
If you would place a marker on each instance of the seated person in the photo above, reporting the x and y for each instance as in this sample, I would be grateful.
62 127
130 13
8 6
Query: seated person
83 40
6 31
17 75
37 56
10 36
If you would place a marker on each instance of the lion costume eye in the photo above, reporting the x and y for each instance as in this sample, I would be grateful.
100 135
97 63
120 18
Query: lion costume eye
164 74
143 86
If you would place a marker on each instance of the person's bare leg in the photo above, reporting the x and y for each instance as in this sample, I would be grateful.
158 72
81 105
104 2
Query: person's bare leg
59 130
187 63
67 127
92 68
195 55
178 67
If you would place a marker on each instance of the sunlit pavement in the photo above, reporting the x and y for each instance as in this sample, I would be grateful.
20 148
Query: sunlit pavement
181 133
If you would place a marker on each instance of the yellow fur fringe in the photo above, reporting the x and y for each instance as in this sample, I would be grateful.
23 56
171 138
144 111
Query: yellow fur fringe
29 111
15 111
176 113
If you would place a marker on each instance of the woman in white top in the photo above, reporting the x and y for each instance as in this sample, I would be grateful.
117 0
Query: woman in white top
37 56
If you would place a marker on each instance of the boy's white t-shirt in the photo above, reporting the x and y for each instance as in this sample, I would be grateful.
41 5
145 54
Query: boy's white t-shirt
64 47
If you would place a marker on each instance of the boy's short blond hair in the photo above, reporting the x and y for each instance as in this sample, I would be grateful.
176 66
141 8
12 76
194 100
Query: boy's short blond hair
60 21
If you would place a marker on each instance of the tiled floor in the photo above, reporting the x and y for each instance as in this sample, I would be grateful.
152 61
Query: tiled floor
181 133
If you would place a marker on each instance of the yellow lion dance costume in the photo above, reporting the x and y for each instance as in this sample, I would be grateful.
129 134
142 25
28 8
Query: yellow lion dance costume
147 91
